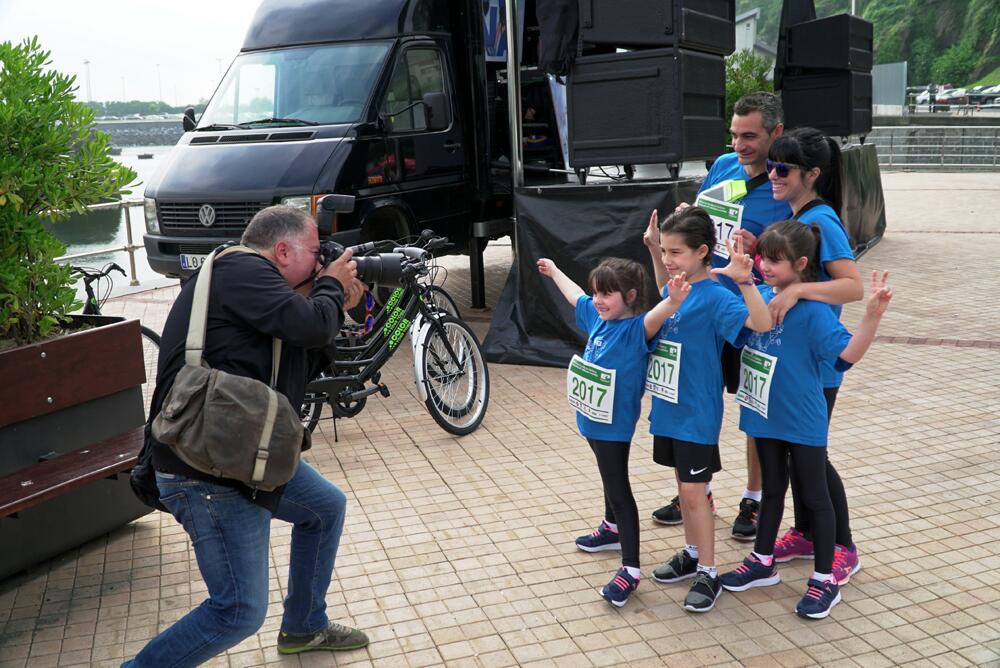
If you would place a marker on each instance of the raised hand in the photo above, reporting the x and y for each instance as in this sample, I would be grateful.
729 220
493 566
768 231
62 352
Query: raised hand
740 267
651 237
547 267
881 295
678 288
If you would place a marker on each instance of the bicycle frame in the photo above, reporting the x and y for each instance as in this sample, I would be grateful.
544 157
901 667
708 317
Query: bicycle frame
391 325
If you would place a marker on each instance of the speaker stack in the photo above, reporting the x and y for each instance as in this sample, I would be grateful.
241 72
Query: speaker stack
828 82
662 100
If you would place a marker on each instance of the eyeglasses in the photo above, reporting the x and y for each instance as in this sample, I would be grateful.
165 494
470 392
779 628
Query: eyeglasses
781 168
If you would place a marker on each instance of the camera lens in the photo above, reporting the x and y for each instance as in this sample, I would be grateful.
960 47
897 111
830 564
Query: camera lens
384 268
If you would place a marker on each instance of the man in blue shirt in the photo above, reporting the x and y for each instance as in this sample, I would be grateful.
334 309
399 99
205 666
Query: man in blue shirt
756 123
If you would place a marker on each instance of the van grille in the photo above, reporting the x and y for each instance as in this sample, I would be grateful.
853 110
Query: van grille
230 217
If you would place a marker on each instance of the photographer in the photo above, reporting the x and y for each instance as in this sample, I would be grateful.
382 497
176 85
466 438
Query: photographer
255 297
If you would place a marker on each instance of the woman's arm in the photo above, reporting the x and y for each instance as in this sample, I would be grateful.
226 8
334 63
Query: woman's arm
570 290
878 302
656 316
651 239
844 286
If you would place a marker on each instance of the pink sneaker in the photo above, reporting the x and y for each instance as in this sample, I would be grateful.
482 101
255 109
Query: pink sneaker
845 563
793 545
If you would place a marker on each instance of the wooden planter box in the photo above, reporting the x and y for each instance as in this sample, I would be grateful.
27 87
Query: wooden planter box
56 397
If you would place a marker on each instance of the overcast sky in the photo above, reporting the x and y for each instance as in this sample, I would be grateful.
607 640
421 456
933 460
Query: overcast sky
190 44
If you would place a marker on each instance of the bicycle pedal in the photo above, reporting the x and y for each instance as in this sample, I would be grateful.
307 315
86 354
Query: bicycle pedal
383 390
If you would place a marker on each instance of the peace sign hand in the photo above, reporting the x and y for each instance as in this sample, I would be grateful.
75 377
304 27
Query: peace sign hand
651 237
881 295
740 267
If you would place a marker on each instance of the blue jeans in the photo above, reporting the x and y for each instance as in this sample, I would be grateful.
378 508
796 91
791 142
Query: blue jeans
230 536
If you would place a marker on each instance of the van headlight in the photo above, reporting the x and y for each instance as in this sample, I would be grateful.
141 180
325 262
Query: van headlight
149 208
303 202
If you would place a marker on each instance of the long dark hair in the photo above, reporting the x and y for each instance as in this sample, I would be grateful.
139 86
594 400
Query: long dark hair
808 147
695 226
790 240
616 274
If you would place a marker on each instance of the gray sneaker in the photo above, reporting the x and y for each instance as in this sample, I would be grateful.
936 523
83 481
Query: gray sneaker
333 638
705 591
680 567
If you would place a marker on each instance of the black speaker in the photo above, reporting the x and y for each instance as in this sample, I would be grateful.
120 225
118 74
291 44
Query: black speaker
701 25
838 102
645 107
835 42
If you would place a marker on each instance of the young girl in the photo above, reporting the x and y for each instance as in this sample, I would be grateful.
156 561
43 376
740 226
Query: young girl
783 408
605 386
685 377
805 171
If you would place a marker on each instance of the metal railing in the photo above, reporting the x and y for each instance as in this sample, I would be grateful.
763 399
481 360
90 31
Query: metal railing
129 246
959 147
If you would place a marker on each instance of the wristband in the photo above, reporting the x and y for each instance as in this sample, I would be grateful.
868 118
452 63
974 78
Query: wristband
749 283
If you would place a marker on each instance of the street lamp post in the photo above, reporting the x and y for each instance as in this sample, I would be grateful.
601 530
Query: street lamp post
86 65
159 82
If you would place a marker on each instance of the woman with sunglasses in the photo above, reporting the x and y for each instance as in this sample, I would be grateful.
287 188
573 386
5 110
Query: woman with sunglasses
804 167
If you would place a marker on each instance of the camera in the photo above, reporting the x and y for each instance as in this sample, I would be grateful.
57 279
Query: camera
384 268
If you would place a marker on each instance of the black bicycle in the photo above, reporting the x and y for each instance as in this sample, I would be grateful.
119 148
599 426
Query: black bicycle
92 306
450 372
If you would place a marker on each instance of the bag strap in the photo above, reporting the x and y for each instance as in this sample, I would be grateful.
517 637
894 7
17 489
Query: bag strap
819 201
194 347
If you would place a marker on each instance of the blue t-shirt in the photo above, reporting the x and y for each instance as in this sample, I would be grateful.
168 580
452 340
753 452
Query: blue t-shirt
710 315
834 244
620 345
760 209
809 335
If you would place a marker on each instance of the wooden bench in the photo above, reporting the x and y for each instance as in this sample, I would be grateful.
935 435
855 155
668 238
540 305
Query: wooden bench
63 473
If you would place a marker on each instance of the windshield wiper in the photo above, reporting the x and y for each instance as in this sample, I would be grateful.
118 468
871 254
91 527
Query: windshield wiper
282 121
217 126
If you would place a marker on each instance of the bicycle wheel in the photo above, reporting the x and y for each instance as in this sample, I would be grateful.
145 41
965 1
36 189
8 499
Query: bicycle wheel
458 394
443 301
312 407
150 356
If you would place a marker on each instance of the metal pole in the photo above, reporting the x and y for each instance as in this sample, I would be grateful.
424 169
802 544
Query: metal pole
514 96
131 248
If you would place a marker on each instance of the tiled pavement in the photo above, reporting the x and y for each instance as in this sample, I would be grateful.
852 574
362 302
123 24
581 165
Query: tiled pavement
459 551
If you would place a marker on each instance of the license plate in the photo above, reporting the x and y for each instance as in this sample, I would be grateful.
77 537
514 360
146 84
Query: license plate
192 262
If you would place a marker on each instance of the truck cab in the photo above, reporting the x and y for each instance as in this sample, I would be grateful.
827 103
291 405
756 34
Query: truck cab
385 101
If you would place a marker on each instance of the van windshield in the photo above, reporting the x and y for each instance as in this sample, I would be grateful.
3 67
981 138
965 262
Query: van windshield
297 86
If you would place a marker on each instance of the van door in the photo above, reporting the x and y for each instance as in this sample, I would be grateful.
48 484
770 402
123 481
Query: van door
431 164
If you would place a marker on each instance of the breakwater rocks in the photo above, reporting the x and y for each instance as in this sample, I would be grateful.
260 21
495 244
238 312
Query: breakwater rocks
142 133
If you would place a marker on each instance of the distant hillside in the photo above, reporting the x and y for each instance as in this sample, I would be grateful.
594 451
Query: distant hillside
946 41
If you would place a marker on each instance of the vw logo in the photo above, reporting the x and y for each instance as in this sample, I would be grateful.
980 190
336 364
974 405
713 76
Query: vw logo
206 215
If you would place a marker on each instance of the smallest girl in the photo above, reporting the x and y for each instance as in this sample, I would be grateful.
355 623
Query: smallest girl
605 387
783 408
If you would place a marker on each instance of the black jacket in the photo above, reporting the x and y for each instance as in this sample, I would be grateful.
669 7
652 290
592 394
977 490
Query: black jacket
250 302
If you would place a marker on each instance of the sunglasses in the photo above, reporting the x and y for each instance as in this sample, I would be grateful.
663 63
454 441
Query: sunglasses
781 168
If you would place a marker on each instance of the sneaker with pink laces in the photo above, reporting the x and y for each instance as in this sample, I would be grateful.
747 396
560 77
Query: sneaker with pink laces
845 563
793 545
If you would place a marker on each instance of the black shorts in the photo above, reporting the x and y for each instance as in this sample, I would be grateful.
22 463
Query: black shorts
695 462
731 367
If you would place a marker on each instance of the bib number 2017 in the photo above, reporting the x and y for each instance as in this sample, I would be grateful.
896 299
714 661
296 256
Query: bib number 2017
756 374
590 389
663 372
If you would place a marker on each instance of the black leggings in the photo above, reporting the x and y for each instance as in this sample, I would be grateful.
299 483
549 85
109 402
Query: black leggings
619 504
835 485
809 464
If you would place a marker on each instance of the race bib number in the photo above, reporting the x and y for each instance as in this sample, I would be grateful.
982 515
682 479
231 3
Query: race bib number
590 389
664 370
756 374
728 219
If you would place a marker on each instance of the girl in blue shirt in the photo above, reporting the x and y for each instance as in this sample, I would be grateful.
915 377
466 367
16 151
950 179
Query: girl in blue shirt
783 408
685 378
605 387
805 171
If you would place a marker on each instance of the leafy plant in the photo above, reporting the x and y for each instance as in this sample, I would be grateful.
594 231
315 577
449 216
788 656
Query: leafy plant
52 163
746 72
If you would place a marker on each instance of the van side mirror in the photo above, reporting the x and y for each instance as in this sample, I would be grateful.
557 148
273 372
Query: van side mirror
188 120
436 106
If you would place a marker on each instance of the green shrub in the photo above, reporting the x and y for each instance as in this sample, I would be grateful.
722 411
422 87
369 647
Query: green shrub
52 163
746 72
